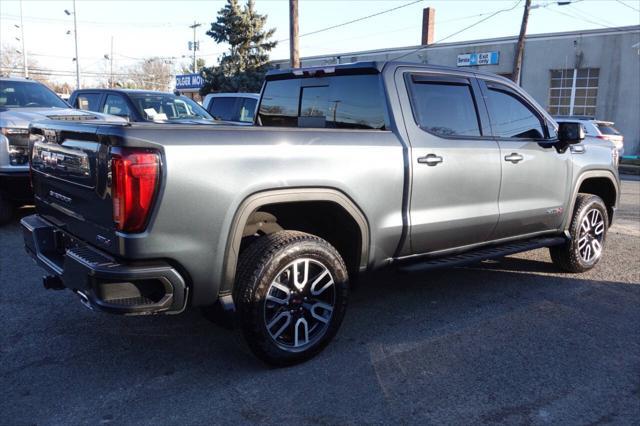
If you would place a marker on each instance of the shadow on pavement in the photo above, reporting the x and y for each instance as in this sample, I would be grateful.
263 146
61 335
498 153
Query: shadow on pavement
494 342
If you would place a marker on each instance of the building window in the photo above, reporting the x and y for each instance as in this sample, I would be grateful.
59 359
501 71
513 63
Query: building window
574 91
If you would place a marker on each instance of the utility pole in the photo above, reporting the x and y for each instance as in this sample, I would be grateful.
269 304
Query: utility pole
24 50
195 45
293 34
517 61
111 66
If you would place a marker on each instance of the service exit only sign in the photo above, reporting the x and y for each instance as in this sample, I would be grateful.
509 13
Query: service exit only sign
471 59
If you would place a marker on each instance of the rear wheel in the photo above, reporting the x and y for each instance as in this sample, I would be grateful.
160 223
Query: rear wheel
6 208
291 295
588 233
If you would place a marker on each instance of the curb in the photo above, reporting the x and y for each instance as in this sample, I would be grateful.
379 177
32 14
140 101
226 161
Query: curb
629 169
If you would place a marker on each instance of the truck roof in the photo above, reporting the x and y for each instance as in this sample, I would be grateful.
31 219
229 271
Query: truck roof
125 91
366 67
25 80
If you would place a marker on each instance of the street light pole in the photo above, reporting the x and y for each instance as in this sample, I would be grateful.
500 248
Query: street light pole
75 32
194 26
24 51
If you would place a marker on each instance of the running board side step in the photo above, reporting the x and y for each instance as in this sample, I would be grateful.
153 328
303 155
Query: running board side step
478 255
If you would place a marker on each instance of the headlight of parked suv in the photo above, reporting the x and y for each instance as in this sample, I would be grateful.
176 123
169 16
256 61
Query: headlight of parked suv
18 145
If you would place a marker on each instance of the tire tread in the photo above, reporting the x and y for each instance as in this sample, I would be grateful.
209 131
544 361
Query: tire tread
252 264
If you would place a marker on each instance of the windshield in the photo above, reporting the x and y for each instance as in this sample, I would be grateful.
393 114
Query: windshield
168 107
27 94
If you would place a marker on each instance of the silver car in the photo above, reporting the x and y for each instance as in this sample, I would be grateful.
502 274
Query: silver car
597 129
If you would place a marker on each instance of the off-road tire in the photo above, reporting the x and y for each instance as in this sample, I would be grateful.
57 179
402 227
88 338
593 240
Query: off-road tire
258 267
567 256
6 209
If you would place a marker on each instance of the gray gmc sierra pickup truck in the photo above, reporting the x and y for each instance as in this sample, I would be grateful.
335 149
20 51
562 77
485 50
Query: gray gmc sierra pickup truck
348 169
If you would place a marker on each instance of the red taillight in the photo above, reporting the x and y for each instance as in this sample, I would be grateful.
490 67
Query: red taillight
135 175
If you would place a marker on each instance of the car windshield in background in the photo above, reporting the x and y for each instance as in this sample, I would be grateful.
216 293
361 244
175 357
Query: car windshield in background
168 107
25 94
607 129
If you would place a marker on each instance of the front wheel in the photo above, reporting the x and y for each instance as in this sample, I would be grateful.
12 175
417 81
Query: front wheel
588 233
291 293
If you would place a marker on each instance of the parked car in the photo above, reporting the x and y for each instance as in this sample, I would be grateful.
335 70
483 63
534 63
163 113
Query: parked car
232 107
141 105
22 101
597 129
349 169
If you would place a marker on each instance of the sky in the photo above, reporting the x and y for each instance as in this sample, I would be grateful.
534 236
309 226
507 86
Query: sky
143 29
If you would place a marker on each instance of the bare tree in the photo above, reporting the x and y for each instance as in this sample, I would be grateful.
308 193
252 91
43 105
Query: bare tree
151 74
11 64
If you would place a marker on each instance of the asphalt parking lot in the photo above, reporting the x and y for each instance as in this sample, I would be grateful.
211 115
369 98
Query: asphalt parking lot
505 342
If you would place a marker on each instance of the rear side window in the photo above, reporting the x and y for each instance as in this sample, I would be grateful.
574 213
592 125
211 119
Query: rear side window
511 118
116 105
445 109
88 101
223 108
340 102
607 129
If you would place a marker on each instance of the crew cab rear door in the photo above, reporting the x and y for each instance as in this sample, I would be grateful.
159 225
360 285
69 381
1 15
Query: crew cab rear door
455 162
536 174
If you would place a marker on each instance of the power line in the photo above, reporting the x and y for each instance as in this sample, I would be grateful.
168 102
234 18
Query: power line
354 20
585 15
629 6
599 24
42 19
459 31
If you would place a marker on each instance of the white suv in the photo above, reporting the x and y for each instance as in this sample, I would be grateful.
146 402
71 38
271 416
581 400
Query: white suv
232 107
597 129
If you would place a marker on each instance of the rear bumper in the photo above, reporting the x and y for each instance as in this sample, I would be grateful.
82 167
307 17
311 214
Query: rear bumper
103 283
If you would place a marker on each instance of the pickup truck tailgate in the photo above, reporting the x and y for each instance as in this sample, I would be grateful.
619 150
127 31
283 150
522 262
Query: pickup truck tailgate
70 175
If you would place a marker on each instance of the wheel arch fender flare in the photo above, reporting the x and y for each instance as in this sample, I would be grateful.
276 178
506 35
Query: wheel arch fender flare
289 195
589 174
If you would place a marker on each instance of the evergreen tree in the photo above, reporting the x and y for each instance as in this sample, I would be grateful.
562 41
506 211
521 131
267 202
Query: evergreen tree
242 68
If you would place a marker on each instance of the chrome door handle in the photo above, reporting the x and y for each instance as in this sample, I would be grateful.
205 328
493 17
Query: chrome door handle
430 160
514 157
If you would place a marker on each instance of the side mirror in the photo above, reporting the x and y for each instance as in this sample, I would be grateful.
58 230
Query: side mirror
570 132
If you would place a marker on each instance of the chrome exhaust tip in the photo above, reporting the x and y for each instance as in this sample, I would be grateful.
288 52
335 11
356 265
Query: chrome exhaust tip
84 299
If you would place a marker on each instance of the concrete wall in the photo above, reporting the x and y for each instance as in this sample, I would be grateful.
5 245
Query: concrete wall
610 50
618 84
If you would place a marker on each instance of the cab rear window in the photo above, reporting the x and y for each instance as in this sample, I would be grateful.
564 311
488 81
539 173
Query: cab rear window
339 102
606 129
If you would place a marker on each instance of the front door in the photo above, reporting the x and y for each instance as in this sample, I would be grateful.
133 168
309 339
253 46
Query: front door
535 174
455 163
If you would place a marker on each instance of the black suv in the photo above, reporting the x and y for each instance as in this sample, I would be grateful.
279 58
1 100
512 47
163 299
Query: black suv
141 105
